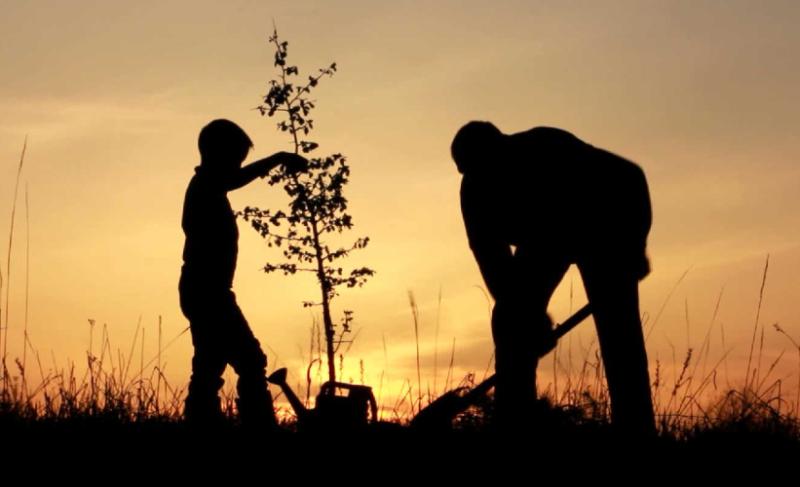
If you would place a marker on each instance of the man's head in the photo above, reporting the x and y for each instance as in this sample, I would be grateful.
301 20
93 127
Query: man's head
223 145
475 143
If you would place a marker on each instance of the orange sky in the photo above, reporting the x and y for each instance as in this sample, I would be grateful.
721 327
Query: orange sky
112 95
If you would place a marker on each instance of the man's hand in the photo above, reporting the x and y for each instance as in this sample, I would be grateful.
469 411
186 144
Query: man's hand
544 338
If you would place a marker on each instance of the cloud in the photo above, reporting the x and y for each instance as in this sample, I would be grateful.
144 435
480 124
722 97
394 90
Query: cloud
70 118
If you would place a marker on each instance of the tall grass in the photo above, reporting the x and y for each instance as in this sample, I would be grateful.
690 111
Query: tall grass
4 324
104 386
112 386
415 315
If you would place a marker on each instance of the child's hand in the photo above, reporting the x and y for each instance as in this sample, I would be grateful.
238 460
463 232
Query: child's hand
292 163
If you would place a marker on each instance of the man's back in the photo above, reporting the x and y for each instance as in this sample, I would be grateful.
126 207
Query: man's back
550 190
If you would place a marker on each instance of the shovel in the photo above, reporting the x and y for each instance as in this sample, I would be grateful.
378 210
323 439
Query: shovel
438 415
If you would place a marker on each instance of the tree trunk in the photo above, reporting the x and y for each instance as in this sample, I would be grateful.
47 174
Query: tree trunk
326 307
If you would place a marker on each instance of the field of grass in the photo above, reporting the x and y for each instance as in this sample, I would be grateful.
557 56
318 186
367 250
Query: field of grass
115 397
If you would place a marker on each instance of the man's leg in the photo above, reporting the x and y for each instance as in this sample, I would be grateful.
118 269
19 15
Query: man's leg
614 295
520 328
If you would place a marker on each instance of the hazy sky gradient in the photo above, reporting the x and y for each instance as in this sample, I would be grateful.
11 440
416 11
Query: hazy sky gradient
702 94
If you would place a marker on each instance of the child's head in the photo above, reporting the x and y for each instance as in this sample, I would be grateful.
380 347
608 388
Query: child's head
223 145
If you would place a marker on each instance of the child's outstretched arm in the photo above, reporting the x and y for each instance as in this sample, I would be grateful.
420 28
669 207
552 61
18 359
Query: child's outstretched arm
259 169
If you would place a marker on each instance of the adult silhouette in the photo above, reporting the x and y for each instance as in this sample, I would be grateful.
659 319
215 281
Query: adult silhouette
220 332
534 203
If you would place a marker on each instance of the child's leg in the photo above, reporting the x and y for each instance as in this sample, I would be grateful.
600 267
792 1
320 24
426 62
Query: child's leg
250 363
201 307
208 364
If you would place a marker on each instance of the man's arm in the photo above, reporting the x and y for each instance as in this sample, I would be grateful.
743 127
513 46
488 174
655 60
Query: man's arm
494 261
260 168
492 254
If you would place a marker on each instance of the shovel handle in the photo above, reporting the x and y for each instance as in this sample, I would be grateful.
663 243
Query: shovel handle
559 331
573 321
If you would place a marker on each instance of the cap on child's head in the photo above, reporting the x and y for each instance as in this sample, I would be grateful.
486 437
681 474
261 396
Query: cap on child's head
222 140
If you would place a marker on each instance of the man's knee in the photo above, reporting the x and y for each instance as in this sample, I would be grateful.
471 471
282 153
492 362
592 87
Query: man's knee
516 325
